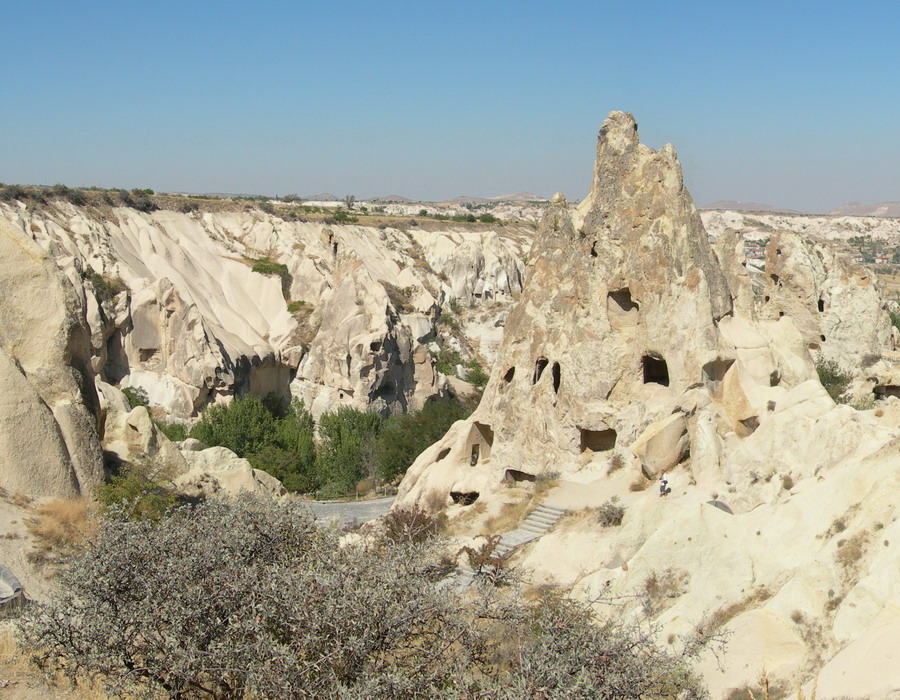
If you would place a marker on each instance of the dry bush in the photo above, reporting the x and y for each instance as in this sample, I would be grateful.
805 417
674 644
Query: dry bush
850 551
615 464
412 524
661 588
610 514
60 529
253 599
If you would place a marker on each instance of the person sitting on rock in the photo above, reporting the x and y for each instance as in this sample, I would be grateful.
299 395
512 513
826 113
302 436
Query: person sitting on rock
664 489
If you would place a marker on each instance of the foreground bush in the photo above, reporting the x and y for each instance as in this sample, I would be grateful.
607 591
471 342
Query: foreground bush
252 599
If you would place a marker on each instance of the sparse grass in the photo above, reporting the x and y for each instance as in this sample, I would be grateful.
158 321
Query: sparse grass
60 528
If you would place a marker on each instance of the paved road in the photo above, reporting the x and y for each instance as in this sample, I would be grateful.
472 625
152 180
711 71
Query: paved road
350 511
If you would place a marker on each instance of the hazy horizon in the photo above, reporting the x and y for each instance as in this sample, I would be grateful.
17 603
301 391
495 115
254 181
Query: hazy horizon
788 106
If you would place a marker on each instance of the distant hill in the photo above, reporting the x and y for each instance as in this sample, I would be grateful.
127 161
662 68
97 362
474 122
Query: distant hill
884 209
326 197
749 206
517 197
392 199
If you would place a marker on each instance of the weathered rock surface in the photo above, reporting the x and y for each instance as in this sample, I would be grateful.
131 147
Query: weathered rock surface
635 349
190 322
49 443
219 473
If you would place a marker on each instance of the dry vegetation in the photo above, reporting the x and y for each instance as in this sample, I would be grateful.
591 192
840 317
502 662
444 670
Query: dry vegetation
661 588
60 529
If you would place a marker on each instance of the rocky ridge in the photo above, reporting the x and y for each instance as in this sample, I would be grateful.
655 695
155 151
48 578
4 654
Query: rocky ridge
174 304
638 349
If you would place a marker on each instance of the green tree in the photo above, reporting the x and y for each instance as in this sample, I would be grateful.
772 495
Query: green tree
404 436
245 426
346 449
291 456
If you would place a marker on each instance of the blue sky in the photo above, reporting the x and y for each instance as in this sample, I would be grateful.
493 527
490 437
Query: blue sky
795 104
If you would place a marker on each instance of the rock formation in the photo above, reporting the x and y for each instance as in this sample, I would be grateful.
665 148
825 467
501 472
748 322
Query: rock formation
175 307
49 442
635 350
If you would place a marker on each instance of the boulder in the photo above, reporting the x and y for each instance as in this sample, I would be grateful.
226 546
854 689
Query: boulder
218 472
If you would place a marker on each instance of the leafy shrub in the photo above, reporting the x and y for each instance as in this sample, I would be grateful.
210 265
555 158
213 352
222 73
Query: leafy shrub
244 426
139 492
296 306
487 219
104 287
895 319
476 374
834 379
176 432
342 217
446 361
136 396
138 199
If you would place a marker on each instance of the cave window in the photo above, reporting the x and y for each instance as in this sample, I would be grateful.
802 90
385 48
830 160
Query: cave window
821 305
780 314
556 377
767 298
594 250
375 346
443 453
464 498
775 278
481 437
822 338
656 371
516 476
539 368
597 440
510 373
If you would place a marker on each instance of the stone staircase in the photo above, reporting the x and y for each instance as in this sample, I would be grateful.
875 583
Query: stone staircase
538 522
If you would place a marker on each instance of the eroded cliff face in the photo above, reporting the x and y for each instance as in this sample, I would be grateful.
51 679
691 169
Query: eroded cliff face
49 443
192 323
636 349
